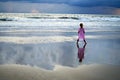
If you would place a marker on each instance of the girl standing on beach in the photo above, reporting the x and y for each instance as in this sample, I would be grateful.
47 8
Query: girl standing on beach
81 33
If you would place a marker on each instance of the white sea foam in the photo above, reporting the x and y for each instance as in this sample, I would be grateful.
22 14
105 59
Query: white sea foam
61 24
51 39
58 17
26 40
53 19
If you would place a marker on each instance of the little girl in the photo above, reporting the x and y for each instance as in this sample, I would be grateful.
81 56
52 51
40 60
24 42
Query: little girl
81 33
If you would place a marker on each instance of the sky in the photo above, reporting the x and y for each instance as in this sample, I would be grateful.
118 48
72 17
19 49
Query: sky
61 6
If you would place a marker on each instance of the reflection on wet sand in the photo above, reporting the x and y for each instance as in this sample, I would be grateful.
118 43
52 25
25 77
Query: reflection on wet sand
41 55
81 51
47 55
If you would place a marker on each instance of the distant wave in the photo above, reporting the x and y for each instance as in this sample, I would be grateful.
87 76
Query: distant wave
38 19
99 19
69 18
54 18
5 19
62 18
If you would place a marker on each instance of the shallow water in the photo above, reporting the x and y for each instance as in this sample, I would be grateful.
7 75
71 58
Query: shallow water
53 41
47 55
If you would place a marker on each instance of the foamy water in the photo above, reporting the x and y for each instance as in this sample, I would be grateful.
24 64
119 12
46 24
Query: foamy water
41 28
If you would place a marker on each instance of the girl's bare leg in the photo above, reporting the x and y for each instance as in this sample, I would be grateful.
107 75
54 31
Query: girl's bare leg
85 41
77 41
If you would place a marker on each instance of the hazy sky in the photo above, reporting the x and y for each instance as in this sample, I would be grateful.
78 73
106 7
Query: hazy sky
61 6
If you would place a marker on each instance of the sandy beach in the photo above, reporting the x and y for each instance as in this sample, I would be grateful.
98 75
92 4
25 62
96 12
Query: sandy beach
84 72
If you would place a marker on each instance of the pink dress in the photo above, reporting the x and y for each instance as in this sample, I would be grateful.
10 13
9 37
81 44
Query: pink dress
81 34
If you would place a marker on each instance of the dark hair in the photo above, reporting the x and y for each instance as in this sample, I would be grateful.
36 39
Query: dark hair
81 25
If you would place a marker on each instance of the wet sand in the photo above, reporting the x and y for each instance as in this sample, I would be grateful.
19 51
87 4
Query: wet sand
84 72
47 55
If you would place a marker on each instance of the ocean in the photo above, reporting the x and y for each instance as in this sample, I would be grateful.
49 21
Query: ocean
47 40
